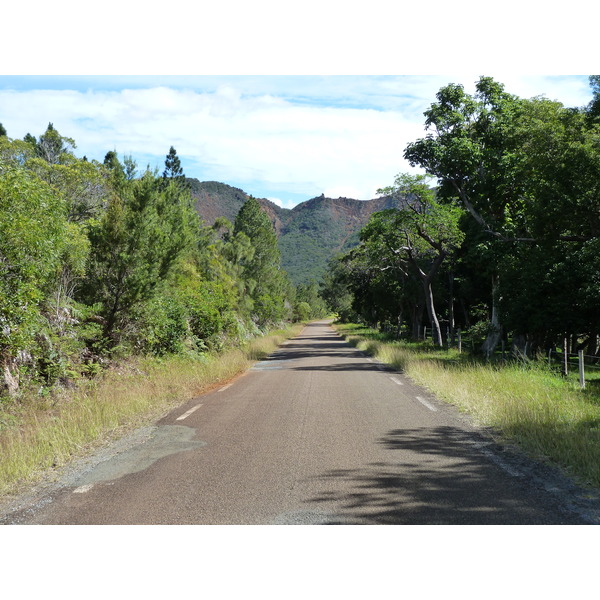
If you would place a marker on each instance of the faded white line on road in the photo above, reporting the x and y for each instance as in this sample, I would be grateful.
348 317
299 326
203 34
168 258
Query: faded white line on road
425 403
82 489
497 460
188 413
396 380
225 387
267 365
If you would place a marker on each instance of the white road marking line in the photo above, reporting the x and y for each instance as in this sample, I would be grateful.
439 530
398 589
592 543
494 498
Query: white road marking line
396 380
497 460
425 403
188 413
225 387
82 489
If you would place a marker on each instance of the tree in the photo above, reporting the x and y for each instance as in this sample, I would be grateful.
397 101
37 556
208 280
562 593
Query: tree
111 160
51 146
264 278
545 277
471 151
303 311
424 234
82 184
309 294
593 108
134 246
378 282
221 256
2 130
173 170
336 290
33 238
527 172
172 165
15 152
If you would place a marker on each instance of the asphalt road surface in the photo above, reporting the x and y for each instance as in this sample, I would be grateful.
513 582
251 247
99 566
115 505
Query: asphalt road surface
316 434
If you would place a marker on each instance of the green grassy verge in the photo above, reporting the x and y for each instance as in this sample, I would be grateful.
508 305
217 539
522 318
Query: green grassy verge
546 415
41 434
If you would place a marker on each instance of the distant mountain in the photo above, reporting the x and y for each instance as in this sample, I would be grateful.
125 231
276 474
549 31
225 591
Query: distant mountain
309 234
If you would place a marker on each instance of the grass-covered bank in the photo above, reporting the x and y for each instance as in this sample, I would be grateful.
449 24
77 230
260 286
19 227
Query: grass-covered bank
547 416
39 434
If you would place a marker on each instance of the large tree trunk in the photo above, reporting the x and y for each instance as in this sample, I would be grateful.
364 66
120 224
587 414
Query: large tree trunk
435 324
417 319
592 343
451 308
10 376
490 343
427 279
399 326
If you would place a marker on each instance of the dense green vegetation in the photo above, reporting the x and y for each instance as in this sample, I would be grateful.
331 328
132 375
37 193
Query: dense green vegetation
506 246
308 235
214 199
100 262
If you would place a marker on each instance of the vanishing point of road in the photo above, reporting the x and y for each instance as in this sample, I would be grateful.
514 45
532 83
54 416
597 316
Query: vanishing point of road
318 433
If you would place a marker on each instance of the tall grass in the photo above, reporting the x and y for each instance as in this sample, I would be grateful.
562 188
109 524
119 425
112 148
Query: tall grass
548 416
39 435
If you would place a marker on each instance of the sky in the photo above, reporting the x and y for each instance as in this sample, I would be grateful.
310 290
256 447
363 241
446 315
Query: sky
286 138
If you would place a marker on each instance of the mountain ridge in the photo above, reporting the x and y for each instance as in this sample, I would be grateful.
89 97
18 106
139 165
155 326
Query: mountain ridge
309 234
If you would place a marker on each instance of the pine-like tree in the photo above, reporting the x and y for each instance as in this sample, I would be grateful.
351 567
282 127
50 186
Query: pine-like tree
134 246
265 280
173 169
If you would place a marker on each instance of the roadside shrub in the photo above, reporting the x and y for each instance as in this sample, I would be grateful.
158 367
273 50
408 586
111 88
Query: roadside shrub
303 311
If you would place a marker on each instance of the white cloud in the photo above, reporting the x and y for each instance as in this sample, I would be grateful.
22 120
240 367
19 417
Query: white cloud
342 136
282 203
229 136
344 191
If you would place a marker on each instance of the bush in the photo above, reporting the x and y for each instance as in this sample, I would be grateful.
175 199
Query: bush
303 311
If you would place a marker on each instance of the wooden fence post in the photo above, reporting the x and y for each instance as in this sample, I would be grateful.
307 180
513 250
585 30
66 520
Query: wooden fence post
581 370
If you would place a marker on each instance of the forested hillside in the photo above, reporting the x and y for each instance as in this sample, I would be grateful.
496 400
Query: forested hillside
501 238
309 235
213 200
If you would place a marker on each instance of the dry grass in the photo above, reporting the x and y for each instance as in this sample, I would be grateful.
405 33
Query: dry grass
40 435
548 416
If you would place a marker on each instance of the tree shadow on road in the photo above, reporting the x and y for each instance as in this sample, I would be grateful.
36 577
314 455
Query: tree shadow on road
434 476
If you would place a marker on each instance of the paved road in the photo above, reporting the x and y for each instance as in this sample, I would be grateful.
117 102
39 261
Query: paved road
316 434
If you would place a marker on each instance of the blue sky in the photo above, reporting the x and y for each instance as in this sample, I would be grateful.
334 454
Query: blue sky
287 138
